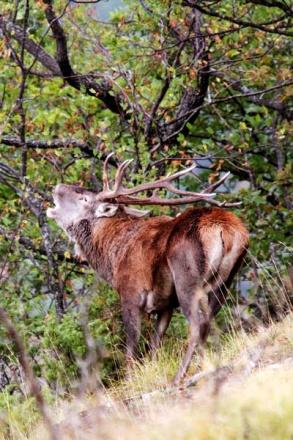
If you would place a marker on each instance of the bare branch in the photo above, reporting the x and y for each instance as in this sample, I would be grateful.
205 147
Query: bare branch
92 88
24 241
274 104
160 97
248 94
175 62
192 98
28 371
273 4
34 204
56 144
46 144
146 7
15 32
261 26
62 67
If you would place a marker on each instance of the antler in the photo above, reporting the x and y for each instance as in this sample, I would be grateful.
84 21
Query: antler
125 195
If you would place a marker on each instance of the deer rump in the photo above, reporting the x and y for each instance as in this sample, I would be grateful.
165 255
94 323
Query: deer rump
160 263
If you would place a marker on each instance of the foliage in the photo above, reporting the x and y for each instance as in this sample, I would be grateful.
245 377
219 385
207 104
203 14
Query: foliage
158 81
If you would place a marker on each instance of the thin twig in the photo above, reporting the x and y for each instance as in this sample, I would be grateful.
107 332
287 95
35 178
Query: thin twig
28 371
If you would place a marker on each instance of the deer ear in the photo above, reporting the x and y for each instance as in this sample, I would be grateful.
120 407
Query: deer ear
106 210
132 212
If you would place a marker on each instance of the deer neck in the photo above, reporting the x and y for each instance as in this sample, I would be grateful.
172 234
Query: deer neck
102 242
82 235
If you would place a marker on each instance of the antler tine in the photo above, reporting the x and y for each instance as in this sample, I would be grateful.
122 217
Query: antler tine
106 183
217 183
157 184
120 174
126 195
178 174
153 200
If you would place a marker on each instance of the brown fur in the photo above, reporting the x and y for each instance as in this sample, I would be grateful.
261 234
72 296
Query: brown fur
158 263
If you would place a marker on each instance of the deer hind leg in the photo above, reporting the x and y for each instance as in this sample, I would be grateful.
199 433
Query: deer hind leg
217 296
215 301
163 321
192 312
131 316
188 284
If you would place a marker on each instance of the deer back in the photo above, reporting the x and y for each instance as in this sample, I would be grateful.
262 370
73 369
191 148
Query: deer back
132 254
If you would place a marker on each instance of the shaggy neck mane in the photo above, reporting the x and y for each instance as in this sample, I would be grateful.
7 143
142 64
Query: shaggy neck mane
104 241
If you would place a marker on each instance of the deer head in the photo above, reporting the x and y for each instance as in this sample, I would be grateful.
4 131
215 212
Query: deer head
74 203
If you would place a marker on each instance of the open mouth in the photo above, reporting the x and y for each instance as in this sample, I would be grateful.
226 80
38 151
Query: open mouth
52 212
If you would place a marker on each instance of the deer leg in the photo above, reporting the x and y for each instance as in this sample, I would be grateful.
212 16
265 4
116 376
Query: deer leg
215 302
191 311
131 315
217 298
188 285
163 321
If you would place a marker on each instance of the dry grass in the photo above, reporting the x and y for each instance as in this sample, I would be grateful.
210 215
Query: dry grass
257 406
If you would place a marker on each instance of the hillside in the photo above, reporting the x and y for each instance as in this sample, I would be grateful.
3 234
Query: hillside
244 391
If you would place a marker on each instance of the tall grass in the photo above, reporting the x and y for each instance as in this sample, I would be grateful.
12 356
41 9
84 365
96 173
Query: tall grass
141 405
259 406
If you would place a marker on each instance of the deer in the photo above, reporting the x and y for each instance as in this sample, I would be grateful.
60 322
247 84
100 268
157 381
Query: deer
159 263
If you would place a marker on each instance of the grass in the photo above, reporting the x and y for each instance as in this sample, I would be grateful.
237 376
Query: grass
261 408
17 419
257 406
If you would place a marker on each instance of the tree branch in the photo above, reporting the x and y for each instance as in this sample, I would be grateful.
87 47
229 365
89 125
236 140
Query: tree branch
247 94
35 204
28 244
56 144
274 104
47 144
159 99
15 32
261 26
80 82
273 4
192 99
101 90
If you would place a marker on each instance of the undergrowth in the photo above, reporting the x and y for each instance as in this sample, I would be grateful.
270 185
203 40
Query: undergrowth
259 406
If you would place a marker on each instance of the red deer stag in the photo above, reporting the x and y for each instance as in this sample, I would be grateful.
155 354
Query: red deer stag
159 263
